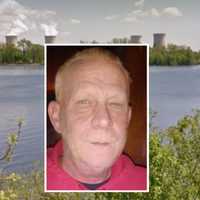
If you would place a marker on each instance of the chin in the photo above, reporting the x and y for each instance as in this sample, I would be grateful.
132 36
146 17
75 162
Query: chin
98 167
100 162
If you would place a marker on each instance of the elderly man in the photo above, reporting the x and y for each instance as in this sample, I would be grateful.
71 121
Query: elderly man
92 113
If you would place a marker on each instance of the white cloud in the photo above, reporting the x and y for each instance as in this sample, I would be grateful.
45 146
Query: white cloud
20 24
22 16
139 3
172 11
135 16
66 33
111 17
154 12
16 18
8 7
130 19
139 13
75 21
33 26
49 29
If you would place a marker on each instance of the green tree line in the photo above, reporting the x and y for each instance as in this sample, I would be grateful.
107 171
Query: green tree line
173 55
24 52
27 52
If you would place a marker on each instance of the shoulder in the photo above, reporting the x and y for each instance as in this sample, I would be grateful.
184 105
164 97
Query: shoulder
128 165
128 176
52 166
57 178
53 154
54 172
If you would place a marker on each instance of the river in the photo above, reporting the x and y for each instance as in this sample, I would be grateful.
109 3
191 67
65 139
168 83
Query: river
21 96
174 92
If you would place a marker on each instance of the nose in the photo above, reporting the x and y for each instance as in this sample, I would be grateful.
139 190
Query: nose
102 117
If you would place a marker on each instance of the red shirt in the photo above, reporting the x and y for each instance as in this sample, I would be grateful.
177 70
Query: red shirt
125 175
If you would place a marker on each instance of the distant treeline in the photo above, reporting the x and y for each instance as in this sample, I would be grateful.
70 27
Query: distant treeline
173 55
24 52
27 52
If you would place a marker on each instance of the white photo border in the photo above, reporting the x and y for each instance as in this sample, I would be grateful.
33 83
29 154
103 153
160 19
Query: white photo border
45 113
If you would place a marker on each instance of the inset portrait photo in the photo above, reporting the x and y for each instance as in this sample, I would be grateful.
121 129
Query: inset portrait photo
96 136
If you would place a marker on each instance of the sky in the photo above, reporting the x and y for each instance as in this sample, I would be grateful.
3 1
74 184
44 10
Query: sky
101 20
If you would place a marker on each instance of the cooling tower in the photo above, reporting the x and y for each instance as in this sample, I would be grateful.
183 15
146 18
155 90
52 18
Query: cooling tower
159 40
50 39
11 39
135 39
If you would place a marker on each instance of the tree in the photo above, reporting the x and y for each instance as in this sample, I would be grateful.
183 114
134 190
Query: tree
24 52
173 55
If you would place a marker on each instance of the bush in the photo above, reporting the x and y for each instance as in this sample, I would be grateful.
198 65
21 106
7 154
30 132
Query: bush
174 170
173 55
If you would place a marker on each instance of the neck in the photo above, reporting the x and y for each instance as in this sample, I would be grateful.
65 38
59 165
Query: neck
83 172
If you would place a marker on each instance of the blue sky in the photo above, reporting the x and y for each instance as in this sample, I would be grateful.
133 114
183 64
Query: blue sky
102 20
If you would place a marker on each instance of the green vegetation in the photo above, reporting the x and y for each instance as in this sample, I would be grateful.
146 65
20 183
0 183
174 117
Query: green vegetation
26 52
121 40
174 170
11 142
173 55
23 53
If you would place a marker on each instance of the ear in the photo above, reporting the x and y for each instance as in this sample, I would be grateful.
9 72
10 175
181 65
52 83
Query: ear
129 113
54 115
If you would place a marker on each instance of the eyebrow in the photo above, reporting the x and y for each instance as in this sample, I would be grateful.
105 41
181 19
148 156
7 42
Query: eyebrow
89 92
86 84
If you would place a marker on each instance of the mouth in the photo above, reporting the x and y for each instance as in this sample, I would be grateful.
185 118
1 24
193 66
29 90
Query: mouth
100 143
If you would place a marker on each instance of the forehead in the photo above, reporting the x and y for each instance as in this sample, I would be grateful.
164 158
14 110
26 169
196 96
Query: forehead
98 71
99 89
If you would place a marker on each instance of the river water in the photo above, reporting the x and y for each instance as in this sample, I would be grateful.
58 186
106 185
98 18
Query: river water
174 92
21 96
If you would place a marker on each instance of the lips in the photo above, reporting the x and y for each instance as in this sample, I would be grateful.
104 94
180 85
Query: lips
100 143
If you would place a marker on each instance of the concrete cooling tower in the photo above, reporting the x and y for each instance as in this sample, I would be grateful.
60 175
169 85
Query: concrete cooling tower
135 39
49 39
159 40
11 39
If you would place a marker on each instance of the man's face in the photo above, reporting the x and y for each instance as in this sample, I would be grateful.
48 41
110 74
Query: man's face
94 114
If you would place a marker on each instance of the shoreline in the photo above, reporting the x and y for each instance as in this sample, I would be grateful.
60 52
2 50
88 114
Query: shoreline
175 66
21 66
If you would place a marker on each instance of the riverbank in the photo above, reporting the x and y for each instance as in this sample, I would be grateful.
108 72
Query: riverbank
41 66
176 66
21 66
174 55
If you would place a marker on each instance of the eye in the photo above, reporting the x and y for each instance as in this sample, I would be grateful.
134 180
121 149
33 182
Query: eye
84 102
116 104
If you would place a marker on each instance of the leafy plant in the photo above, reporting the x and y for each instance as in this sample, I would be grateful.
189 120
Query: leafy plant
11 142
23 52
174 170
